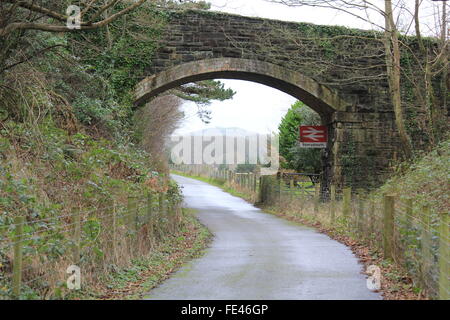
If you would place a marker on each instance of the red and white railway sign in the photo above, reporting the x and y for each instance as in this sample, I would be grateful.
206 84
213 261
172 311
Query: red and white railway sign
313 136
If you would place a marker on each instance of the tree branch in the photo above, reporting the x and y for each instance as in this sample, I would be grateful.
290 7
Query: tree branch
31 56
55 28
39 9
103 9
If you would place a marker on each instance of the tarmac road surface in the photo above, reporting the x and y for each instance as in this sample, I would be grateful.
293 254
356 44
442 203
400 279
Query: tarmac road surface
257 256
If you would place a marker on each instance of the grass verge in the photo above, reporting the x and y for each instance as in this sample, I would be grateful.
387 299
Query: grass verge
218 183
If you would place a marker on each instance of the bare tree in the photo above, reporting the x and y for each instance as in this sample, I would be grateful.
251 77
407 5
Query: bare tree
155 123
430 61
21 22
392 48
96 11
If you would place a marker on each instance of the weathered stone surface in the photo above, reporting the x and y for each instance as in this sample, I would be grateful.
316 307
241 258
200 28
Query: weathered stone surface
319 97
343 81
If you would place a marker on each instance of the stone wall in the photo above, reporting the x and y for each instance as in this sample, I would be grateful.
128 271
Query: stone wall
348 63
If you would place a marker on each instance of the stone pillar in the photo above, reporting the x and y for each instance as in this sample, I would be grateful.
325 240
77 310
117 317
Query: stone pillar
361 149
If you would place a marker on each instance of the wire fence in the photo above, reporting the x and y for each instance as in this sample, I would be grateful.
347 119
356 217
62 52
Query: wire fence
411 235
35 254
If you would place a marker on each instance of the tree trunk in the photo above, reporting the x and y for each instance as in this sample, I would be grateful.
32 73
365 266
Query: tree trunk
446 56
393 71
425 87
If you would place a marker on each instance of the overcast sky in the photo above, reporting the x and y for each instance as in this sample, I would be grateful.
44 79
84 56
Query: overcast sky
256 107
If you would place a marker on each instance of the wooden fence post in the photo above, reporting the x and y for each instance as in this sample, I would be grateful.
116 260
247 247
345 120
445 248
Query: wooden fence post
409 214
316 198
260 191
133 223
169 214
371 215
161 208
77 237
388 227
173 215
149 210
114 232
150 213
427 255
346 202
332 203
178 213
291 190
132 213
18 258
444 257
361 215
280 185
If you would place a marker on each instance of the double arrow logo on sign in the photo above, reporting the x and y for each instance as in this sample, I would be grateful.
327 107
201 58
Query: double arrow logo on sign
313 136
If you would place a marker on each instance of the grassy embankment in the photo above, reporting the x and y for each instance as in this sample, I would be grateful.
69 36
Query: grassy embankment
144 274
71 160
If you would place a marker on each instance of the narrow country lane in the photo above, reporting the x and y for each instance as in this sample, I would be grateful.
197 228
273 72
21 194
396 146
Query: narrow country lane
255 256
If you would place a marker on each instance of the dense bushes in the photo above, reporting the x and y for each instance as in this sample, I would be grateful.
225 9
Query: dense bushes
67 146
299 159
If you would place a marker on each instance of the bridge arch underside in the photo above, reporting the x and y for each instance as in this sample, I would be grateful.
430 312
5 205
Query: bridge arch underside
320 98
360 146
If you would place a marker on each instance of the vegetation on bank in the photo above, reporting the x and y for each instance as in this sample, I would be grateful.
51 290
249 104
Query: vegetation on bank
66 147
52 178
426 180
145 273
72 163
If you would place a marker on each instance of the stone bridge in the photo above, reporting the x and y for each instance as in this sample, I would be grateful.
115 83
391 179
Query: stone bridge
338 72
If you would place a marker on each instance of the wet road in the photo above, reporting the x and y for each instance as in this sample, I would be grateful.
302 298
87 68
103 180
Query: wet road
255 256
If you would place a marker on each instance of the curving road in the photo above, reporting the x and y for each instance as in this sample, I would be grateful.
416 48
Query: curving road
255 256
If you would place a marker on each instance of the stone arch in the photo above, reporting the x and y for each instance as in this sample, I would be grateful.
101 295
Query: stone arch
319 97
